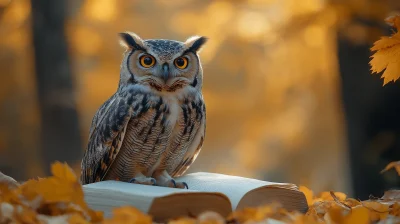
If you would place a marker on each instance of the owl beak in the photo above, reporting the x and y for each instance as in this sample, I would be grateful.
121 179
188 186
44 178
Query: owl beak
165 72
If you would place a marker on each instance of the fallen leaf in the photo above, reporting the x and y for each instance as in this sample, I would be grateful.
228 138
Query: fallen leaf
359 215
335 214
64 172
395 209
308 193
25 215
8 194
340 201
183 220
77 219
327 195
377 211
128 214
351 202
391 195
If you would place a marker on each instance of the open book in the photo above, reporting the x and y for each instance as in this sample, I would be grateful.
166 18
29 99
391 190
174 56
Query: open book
207 192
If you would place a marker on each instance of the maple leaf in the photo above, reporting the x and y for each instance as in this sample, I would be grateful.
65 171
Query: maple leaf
57 195
395 165
61 187
387 55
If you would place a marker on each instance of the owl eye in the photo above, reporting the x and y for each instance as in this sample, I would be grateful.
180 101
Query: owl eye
147 61
181 62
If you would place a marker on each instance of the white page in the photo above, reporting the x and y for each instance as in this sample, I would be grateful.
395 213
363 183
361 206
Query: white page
232 186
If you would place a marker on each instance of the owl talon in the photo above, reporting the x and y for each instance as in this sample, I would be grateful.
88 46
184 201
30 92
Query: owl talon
143 180
173 181
182 185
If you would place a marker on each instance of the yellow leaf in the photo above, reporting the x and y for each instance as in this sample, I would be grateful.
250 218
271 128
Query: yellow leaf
335 215
7 194
95 216
26 215
359 215
257 214
326 195
308 193
128 214
58 197
395 209
53 190
386 42
77 219
183 220
305 219
377 211
63 171
391 165
352 202
387 55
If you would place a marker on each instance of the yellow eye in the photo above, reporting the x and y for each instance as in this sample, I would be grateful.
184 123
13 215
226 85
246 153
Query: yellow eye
147 61
181 62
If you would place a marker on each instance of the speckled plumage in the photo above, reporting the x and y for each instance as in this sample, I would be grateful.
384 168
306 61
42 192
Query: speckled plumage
150 130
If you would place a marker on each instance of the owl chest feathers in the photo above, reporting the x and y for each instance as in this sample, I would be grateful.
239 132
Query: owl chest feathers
164 132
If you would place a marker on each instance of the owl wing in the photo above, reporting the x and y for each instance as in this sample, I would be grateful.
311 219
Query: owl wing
105 137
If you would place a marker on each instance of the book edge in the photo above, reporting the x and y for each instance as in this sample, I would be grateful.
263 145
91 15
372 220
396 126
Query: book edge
268 183
266 186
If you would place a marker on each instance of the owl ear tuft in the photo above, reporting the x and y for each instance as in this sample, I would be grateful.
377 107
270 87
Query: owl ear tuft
195 43
131 41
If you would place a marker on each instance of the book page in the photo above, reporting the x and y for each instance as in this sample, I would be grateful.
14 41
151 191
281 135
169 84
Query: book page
232 186
105 195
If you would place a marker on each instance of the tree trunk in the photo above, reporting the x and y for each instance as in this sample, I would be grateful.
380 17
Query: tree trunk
372 119
60 137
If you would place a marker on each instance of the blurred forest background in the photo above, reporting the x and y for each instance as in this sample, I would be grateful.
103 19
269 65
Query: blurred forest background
288 88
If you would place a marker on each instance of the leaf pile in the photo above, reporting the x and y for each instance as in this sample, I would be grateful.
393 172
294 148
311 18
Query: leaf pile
55 199
59 199
335 207
387 55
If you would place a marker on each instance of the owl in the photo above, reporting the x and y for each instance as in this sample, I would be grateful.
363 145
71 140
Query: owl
153 127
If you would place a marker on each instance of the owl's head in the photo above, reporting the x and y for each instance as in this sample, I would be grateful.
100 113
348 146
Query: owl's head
163 65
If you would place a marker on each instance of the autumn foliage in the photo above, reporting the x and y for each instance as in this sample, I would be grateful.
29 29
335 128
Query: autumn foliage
59 199
387 55
45 200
